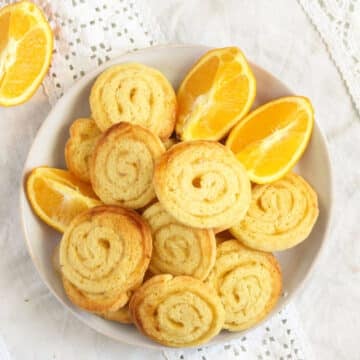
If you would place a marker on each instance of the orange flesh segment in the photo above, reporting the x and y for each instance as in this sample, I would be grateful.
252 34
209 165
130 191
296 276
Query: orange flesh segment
69 180
20 24
198 83
25 70
231 103
4 31
25 51
48 194
216 93
201 81
57 196
270 141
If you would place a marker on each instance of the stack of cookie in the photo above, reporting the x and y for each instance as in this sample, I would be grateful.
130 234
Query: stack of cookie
181 246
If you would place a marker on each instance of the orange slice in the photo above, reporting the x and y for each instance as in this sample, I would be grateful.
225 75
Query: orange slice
271 139
216 93
26 45
57 196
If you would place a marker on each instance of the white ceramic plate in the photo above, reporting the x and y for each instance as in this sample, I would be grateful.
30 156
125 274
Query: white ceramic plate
173 61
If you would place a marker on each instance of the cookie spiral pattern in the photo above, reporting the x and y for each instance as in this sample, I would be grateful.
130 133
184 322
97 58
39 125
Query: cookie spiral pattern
248 283
137 94
281 215
179 249
177 311
202 184
83 136
122 165
104 254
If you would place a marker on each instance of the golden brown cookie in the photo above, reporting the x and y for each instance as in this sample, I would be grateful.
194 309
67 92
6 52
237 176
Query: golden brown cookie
122 165
248 282
281 215
104 254
137 94
177 311
202 184
179 249
83 136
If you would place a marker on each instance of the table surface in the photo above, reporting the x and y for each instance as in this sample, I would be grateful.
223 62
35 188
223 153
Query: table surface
329 305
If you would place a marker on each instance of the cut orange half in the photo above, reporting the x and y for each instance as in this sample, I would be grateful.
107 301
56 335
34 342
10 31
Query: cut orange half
216 93
26 44
57 196
271 139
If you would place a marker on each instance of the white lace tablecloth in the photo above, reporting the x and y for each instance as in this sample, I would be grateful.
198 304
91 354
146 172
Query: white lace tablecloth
338 23
89 33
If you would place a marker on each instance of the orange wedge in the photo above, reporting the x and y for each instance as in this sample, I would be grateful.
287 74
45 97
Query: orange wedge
216 93
57 196
26 44
271 139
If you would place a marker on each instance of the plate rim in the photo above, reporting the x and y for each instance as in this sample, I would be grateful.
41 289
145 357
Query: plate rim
153 345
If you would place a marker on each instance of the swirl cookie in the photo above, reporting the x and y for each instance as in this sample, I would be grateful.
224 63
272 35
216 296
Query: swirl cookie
281 215
122 165
104 254
177 311
83 136
202 184
137 94
179 249
247 281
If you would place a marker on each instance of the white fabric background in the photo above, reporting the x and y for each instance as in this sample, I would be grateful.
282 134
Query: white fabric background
277 35
338 23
